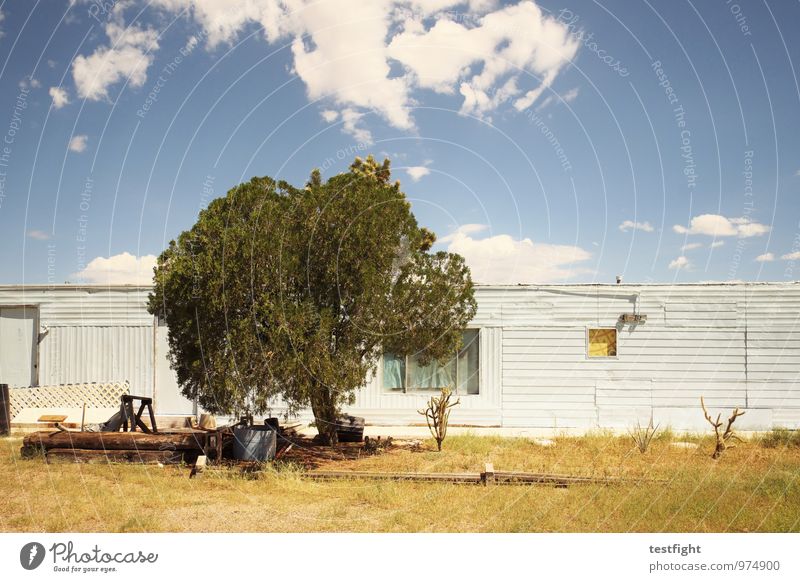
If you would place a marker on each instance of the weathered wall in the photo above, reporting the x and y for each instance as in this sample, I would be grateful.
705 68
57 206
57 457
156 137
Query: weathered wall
91 334
736 344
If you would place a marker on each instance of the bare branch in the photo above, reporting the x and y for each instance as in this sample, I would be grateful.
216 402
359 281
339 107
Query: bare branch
724 440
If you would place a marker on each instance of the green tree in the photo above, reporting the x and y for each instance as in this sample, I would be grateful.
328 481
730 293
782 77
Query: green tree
289 292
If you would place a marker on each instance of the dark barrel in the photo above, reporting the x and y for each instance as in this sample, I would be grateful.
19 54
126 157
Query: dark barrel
254 443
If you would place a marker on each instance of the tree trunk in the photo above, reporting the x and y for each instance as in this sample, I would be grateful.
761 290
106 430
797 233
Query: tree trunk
114 441
325 416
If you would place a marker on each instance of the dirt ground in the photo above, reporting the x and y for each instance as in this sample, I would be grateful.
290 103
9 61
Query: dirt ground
674 486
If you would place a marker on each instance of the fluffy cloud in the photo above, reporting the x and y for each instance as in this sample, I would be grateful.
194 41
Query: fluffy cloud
60 97
795 256
78 143
631 225
128 57
679 263
765 258
717 244
691 246
38 235
716 225
417 172
502 259
2 17
222 21
486 59
119 269
344 50
329 115
351 123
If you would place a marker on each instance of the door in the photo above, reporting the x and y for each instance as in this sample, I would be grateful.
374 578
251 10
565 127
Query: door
18 346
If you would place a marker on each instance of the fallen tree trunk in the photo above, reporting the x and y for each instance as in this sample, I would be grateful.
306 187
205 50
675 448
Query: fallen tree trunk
114 441
113 456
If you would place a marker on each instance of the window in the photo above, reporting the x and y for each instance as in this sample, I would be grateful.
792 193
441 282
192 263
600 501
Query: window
406 374
601 342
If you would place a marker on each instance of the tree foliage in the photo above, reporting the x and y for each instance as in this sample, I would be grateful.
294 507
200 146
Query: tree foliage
288 292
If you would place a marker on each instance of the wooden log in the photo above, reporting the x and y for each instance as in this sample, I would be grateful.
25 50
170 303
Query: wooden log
5 406
117 456
441 477
115 441
488 474
199 466
513 476
500 477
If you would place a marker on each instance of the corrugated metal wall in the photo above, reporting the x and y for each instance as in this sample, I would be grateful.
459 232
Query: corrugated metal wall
90 353
91 334
738 345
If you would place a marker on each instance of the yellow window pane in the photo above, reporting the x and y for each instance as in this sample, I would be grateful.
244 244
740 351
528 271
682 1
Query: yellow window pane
602 343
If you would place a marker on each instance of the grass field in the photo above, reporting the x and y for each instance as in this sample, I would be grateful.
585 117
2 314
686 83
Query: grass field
754 487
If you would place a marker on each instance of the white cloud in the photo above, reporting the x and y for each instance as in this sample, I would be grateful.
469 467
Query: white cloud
351 123
679 263
344 50
38 235
119 269
691 246
2 17
60 97
502 259
716 225
78 143
343 58
765 258
631 225
330 115
717 244
791 256
417 172
570 95
485 60
223 20
29 83
567 97
464 229
127 58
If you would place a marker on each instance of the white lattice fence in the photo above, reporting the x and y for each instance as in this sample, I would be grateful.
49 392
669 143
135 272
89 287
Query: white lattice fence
94 394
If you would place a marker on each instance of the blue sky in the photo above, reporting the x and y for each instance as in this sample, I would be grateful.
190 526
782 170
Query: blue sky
546 142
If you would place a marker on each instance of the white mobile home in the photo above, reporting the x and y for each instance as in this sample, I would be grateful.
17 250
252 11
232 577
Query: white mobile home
535 356
72 334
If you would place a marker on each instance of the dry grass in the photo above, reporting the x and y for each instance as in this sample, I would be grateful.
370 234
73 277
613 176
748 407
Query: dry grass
751 488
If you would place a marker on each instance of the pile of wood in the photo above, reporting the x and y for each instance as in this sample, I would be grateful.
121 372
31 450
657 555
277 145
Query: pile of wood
116 446
287 438
375 446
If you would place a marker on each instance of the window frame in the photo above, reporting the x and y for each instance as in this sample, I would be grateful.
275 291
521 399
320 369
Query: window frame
405 390
586 346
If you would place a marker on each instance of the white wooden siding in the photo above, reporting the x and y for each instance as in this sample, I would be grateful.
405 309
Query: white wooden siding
72 354
91 334
734 344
